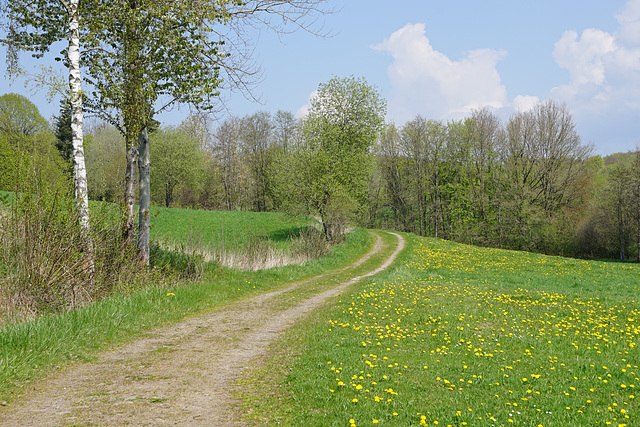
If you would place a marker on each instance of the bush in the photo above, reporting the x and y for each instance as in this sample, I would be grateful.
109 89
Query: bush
43 258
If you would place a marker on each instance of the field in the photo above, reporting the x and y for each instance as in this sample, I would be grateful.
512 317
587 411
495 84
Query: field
212 227
239 240
459 335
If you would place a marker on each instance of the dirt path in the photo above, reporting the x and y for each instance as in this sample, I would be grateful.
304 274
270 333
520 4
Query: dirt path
181 374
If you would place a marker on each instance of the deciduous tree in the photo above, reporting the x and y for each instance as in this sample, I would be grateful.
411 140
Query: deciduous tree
333 162
19 117
178 161
35 26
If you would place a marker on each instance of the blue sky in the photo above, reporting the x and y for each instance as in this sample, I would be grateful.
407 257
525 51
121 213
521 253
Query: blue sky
442 58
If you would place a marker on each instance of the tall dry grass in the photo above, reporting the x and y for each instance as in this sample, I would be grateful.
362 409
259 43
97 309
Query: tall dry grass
252 251
43 264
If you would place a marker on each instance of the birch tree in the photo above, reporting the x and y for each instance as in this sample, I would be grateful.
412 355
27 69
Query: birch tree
77 150
24 17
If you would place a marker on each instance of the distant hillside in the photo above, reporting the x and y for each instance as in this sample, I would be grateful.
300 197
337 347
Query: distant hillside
615 158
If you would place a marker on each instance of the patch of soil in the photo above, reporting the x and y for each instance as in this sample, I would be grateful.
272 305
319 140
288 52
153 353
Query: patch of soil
182 374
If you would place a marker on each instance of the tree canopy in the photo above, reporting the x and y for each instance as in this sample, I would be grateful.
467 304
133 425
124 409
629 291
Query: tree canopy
19 117
333 159
178 160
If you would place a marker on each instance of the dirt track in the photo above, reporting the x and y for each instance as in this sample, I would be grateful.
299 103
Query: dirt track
181 374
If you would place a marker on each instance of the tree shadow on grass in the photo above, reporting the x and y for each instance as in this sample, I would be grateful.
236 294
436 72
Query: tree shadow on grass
285 234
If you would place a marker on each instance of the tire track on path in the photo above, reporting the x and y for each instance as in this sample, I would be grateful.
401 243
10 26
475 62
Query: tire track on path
181 374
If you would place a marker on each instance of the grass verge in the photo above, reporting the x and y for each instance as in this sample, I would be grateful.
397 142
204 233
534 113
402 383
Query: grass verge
457 335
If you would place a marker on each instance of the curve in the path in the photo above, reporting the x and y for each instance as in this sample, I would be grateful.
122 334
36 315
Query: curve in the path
180 375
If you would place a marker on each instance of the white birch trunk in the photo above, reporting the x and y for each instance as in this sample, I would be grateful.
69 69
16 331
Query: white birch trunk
79 169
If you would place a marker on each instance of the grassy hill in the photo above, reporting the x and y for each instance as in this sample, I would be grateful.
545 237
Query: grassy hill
460 335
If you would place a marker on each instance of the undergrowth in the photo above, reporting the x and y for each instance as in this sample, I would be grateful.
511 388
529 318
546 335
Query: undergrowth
43 259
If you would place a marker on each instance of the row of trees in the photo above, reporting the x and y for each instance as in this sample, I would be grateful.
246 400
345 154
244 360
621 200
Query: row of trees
526 184
611 227
517 185
529 183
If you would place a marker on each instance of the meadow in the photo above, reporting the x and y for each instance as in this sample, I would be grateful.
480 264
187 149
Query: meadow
212 227
239 240
458 335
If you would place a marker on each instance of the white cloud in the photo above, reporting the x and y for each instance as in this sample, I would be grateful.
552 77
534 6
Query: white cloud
428 82
604 68
629 19
584 58
524 103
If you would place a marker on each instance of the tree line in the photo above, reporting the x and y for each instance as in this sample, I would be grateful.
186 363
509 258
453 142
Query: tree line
528 183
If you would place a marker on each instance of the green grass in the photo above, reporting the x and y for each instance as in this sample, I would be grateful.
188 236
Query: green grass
212 227
459 335
31 349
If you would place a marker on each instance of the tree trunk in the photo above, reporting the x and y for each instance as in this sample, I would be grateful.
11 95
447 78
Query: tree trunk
132 117
79 169
621 230
130 194
144 183
168 194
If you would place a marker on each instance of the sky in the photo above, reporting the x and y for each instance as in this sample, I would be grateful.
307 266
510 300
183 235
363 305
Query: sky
443 58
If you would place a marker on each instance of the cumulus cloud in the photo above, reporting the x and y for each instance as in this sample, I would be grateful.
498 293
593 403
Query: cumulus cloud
524 103
585 57
604 68
425 81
